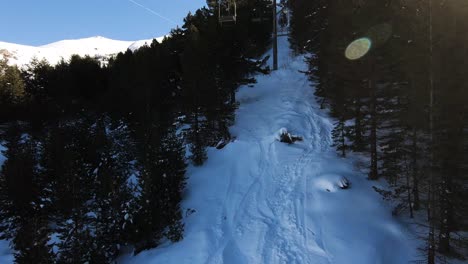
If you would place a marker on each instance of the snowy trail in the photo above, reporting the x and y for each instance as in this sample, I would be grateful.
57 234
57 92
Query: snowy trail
262 201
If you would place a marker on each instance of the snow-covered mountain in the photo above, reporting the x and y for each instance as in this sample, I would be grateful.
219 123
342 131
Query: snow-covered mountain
54 52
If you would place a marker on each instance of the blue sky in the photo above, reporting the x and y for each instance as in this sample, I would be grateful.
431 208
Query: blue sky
39 22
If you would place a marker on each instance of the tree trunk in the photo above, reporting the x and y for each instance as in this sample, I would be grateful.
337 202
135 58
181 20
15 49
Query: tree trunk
410 204
357 128
373 174
343 140
431 206
415 176
444 234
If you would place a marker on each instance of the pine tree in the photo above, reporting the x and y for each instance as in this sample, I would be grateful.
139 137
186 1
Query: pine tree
174 179
114 201
25 200
11 90
339 137
76 189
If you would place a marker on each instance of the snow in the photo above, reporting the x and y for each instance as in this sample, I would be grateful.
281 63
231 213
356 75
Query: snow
5 255
140 43
262 201
54 52
2 158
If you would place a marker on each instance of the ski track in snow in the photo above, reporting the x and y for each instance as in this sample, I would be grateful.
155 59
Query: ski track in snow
262 201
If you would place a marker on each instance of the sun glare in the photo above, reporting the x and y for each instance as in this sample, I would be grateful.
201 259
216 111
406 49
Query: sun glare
358 48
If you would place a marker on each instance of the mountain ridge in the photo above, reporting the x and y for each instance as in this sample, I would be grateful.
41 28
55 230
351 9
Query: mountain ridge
21 55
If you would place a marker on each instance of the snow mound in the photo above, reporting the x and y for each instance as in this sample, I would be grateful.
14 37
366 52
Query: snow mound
330 182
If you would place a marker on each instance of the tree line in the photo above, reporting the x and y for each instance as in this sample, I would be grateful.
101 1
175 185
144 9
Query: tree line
96 153
401 102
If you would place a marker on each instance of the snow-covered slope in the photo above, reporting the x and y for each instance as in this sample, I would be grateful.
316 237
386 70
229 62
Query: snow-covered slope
54 52
262 201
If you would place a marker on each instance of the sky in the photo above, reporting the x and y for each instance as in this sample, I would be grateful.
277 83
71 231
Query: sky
40 22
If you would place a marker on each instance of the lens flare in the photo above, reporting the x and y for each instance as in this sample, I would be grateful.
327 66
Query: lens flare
380 34
358 48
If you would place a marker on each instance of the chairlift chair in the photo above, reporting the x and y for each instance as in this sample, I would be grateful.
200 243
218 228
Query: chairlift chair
227 11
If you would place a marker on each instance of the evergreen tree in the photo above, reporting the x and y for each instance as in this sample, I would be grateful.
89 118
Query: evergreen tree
114 201
11 90
25 200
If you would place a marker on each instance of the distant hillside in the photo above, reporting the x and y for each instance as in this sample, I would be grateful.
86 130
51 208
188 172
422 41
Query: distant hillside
54 52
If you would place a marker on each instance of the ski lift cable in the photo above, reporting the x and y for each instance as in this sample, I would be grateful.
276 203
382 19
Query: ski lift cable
153 12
